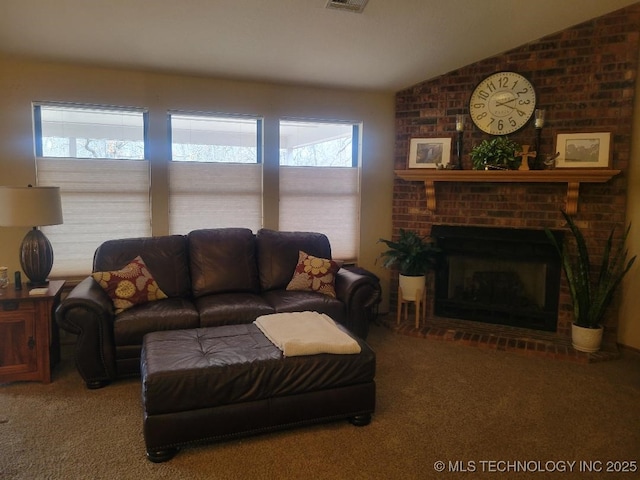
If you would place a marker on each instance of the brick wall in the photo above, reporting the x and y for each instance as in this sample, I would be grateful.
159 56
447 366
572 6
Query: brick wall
585 80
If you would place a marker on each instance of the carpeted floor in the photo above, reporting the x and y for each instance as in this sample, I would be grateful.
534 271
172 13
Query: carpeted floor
474 409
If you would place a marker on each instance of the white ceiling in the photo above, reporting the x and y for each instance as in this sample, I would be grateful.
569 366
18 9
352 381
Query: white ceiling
392 45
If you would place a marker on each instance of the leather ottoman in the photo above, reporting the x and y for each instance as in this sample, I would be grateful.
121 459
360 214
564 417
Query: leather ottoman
210 384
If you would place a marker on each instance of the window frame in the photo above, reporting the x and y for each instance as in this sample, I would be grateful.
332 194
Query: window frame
253 219
200 114
352 248
37 123
138 221
355 137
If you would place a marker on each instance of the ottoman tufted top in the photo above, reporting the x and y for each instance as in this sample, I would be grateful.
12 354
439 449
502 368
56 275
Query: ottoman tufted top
206 367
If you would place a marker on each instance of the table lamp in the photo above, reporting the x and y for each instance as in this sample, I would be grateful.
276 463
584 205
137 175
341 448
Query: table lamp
32 207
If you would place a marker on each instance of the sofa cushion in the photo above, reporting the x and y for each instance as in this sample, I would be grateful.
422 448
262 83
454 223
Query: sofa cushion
298 301
131 285
231 308
314 274
278 254
132 325
223 260
165 256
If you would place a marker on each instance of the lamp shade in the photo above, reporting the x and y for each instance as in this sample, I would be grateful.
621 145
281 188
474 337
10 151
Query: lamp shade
30 206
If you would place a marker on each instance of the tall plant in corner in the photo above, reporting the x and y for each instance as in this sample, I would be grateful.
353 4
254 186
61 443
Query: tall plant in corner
592 296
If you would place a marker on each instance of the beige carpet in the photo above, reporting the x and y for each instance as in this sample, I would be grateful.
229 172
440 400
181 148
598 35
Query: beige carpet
436 401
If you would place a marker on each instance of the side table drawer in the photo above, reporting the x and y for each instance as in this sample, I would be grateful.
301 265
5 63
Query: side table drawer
16 306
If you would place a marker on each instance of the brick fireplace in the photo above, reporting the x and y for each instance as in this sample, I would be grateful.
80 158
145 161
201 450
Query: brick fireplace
585 80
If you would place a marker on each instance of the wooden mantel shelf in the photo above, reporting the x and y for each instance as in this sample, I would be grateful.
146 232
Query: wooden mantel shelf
573 177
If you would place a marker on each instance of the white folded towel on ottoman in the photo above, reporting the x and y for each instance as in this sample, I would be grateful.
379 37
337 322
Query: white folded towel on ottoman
306 333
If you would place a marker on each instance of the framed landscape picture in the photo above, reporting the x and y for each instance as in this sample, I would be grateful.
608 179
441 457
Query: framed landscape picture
583 150
429 152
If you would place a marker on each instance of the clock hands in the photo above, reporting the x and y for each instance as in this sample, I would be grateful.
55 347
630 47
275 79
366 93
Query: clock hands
500 104
506 104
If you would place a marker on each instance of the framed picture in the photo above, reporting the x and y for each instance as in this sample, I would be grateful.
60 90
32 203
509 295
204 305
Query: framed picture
429 152
583 150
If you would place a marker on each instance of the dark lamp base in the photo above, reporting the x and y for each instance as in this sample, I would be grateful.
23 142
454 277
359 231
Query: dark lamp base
36 257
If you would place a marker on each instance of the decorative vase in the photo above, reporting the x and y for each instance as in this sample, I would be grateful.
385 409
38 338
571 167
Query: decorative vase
411 285
4 277
586 339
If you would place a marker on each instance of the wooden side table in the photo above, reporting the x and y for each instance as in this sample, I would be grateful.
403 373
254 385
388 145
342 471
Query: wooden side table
29 336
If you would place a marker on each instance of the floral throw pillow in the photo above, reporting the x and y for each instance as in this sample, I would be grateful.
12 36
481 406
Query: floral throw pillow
314 274
132 285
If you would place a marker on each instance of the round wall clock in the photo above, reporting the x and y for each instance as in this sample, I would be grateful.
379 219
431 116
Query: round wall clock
502 103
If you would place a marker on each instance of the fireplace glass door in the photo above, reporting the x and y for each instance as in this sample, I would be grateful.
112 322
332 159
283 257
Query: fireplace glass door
500 276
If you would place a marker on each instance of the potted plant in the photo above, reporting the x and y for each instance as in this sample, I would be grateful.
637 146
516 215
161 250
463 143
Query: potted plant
497 153
591 296
413 255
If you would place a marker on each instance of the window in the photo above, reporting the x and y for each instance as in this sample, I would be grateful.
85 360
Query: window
96 155
215 176
319 182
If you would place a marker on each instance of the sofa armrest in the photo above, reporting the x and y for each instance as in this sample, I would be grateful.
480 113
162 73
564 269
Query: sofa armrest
360 291
88 312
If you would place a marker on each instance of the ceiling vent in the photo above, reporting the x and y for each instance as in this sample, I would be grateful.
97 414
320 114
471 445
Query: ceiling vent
355 6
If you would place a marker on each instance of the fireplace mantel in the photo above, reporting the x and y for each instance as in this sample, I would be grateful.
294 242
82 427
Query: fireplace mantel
573 177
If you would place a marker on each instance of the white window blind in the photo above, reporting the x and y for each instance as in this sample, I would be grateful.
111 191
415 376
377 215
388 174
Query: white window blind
215 176
101 200
325 200
320 182
210 195
96 157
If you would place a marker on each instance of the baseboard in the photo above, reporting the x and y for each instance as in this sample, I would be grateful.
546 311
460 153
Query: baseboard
626 348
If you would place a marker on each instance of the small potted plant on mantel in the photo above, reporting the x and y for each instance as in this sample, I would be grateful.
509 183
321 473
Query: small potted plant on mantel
499 153
413 255
591 298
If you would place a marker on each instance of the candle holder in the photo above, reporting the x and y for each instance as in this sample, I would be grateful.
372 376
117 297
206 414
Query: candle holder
539 123
460 130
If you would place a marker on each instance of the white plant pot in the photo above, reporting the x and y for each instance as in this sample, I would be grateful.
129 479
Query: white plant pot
586 339
411 285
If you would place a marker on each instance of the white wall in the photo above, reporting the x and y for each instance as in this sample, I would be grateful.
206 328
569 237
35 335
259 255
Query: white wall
629 314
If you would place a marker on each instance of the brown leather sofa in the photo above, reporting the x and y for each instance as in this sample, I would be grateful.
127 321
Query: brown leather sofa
212 277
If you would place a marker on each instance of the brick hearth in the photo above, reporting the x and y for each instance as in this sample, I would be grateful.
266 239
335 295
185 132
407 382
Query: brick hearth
499 337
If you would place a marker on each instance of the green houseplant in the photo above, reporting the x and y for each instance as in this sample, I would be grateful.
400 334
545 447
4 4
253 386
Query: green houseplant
499 153
591 295
413 255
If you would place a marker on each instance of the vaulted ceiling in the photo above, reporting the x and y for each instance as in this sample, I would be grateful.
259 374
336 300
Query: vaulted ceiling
392 45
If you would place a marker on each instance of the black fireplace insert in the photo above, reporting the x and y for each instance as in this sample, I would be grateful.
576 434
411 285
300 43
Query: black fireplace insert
503 276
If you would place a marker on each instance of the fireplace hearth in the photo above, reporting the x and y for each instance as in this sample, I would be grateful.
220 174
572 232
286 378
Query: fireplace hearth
498 275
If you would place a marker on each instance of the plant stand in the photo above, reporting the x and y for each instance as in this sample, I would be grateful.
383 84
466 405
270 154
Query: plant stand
420 301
